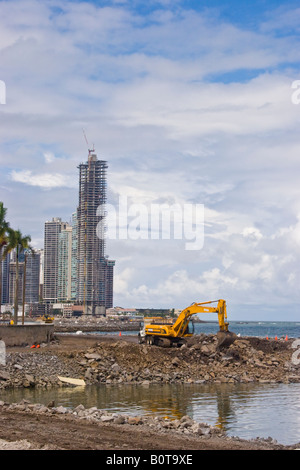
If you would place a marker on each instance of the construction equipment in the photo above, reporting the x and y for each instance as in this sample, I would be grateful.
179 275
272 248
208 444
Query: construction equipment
47 319
166 334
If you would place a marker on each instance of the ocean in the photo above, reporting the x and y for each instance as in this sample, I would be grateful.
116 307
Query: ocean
260 329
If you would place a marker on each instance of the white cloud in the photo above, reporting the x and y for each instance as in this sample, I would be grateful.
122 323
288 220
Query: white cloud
43 180
187 108
49 157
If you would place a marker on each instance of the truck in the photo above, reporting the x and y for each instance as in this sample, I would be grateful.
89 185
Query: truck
166 334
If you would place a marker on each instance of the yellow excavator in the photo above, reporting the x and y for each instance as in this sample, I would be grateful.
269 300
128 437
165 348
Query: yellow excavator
166 335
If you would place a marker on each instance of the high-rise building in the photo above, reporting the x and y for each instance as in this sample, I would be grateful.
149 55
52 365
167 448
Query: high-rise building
74 283
109 282
51 258
64 264
32 279
91 256
5 279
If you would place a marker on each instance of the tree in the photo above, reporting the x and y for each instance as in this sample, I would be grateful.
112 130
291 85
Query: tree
4 227
18 242
27 252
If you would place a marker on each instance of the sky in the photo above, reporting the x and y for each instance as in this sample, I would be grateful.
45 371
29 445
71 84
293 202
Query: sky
191 103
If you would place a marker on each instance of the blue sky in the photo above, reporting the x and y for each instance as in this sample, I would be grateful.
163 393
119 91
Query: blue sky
190 103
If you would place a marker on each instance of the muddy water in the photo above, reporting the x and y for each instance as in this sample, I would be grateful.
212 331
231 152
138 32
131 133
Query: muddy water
247 411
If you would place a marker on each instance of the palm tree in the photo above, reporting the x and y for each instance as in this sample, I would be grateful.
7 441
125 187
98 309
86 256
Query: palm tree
4 226
27 252
18 242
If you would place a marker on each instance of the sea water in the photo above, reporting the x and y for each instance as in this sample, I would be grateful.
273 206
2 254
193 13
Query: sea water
259 329
244 410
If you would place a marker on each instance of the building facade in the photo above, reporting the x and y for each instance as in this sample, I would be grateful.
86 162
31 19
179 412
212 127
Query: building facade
32 278
51 258
5 280
64 264
74 274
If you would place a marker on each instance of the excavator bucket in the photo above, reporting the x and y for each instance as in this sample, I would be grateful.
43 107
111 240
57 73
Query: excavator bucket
225 339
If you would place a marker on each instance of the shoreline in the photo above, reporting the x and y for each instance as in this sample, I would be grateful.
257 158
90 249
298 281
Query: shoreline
109 359
60 428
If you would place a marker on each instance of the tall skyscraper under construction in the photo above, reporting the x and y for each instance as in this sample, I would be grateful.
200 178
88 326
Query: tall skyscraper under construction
94 270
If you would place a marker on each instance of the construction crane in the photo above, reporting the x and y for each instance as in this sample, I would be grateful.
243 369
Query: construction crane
89 150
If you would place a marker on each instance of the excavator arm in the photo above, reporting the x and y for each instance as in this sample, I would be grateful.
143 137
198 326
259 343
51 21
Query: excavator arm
183 319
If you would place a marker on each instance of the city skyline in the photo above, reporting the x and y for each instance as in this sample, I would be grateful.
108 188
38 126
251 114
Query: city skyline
75 266
189 103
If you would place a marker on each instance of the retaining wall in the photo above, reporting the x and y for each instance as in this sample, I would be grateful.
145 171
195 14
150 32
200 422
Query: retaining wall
26 335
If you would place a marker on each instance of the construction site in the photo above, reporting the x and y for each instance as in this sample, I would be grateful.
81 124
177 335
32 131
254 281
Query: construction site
121 360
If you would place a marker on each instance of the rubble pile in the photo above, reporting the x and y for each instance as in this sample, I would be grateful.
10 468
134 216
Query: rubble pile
247 360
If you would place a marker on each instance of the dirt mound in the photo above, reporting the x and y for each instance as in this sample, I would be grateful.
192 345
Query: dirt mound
268 346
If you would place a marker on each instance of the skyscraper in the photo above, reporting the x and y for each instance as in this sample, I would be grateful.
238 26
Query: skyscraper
91 256
64 264
5 279
51 258
74 282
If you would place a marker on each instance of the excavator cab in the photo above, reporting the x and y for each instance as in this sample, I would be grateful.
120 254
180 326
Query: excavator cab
190 330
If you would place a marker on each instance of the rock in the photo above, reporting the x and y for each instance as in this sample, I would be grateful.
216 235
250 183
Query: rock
119 420
94 356
30 379
61 410
176 361
107 418
4 375
134 420
146 382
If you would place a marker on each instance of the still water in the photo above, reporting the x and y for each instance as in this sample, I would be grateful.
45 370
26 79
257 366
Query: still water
244 410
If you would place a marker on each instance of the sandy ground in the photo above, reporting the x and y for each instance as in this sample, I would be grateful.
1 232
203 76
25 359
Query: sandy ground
33 431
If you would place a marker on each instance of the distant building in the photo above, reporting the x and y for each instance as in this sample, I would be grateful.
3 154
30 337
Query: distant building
32 283
5 280
74 267
109 282
120 311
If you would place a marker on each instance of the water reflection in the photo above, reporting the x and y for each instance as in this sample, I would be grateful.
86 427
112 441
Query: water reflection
244 410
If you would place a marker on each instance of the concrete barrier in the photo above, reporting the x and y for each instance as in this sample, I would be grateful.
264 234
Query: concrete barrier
26 335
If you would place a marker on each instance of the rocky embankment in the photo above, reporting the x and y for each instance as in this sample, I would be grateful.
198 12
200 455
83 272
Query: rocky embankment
120 361
67 325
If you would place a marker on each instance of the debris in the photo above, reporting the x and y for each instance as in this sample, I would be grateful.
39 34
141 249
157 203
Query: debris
72 381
